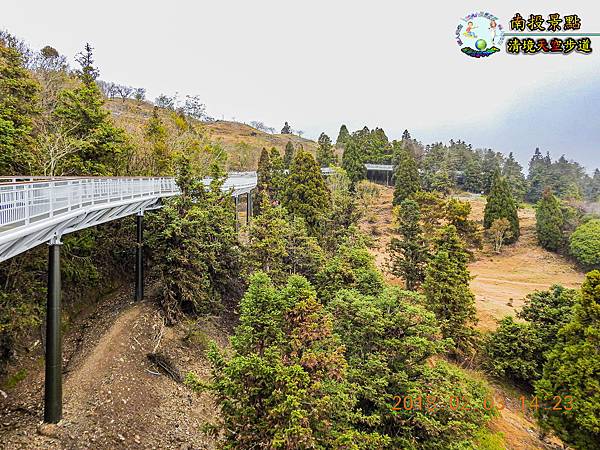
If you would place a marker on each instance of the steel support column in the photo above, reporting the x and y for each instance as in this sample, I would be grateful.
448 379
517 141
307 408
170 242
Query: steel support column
139 257
237 222
53 380
248 207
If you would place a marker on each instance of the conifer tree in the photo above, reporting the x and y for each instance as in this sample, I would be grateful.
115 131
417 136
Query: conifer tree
304 255
156 134
306 195
325 155
288 155
595 187
490 164
278 179
352 267
513 172
264 175
440 181
406 174
457 214
343 136
266 249
571 373
447 288
18 108
353 160
195 246
501 205
409 252
286 379
549 222
473 174
80 111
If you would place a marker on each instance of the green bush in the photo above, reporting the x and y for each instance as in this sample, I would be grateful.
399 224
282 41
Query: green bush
518 350
585 243
352 268
513 351
572 369
390 340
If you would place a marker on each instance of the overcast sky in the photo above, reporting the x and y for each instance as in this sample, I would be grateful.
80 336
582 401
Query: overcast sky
318 64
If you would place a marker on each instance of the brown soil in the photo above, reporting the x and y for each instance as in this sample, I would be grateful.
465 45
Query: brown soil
114 397
498 280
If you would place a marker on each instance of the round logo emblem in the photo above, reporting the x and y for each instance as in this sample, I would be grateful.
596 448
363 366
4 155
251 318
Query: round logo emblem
479 34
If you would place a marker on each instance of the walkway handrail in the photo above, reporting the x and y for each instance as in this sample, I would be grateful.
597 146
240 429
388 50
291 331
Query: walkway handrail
25 203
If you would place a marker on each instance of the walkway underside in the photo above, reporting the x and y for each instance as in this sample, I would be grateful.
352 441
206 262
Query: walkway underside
22 239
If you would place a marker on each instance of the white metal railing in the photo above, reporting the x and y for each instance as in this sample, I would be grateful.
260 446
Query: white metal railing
24 202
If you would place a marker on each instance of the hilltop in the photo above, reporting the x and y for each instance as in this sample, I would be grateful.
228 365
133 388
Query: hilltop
241 142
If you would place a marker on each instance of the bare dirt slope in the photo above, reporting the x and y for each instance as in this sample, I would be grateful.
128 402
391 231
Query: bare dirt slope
114 397
520 269
241 142
505 279
497 279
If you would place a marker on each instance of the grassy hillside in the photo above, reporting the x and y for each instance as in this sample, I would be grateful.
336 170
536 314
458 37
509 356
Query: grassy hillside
241 142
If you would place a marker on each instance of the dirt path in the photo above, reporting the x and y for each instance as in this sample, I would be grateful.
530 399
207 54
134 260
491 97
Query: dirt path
114 396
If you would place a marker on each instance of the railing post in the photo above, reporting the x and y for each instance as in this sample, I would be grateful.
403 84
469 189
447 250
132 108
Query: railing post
53 379
139 257
51 184
28 204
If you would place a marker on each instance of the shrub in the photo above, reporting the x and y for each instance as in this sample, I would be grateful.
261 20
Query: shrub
585 243
572 370
513 351
352 268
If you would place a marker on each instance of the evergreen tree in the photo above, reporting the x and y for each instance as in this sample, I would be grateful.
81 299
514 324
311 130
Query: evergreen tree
594 195
18 108
585 244
571 373
306 195
409 252
266 248
406 135
325 155
304 255
156 134
501 205
473 174
447 288
352 267
80 112
353 160
441 182
406 174
288 155
513 172
278 180
284 383
342 217
343 136
491 164
391 342
195 246
264 181
457 214
537 176
549 222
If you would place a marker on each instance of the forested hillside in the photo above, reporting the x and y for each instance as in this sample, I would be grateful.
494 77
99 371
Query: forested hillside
342 316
